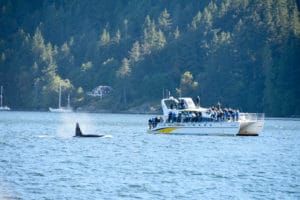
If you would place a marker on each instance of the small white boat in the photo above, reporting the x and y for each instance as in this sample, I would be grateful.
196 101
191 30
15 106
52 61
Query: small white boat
182 116
61 109
3 108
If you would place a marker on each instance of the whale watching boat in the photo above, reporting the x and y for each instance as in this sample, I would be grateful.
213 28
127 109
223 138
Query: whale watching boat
61 109
182 116
3 108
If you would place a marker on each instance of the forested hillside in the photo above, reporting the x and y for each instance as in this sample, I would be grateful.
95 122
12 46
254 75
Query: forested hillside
243 53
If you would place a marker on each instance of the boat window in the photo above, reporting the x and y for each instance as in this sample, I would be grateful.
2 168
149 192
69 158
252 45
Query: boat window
190 103
171 104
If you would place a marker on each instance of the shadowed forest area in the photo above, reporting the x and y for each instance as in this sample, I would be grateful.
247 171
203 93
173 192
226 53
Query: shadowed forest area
243 53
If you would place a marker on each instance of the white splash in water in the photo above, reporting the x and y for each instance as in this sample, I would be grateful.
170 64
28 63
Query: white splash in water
68 124
107 136
44 136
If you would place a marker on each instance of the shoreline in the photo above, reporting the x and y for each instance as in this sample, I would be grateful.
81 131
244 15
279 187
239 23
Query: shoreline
130 111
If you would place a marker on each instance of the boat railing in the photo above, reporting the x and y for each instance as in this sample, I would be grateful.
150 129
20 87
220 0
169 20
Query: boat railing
251 116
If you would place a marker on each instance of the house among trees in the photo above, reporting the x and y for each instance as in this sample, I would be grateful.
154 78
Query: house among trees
100 91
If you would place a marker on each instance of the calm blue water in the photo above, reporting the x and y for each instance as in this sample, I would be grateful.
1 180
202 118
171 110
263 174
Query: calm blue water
41 160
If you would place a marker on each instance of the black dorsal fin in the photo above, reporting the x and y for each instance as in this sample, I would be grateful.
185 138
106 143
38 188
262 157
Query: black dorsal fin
77 130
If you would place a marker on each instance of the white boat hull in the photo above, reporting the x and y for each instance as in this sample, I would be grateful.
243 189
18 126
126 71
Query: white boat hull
60 110
4 108
200 128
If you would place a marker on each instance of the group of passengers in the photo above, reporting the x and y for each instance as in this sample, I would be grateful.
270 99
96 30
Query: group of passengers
211 115
152 123
185 116
218 114
215 113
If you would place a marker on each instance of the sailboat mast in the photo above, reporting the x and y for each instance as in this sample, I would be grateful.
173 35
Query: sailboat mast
59 97
1 94
68 100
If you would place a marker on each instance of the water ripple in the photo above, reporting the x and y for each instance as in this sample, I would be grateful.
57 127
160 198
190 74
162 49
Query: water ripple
41 160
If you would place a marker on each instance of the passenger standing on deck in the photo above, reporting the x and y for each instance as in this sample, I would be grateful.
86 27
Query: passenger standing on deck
233 115
219 106
150 123
198 101
181 104
237 115
227 116
170 117
174 117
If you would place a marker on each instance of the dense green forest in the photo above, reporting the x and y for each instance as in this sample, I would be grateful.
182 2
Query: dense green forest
243 53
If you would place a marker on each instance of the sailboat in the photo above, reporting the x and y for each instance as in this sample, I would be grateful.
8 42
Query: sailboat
3 108
61 109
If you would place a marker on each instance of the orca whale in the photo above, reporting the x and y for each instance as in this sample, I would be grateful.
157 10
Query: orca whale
78 133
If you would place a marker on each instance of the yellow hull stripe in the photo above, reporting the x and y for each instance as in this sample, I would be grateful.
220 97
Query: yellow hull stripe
166 130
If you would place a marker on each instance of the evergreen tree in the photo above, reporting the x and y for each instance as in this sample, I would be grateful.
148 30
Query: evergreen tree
123 74
135 53
150 35
176 33
117 37
196 21
164 21
104 38
161 40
